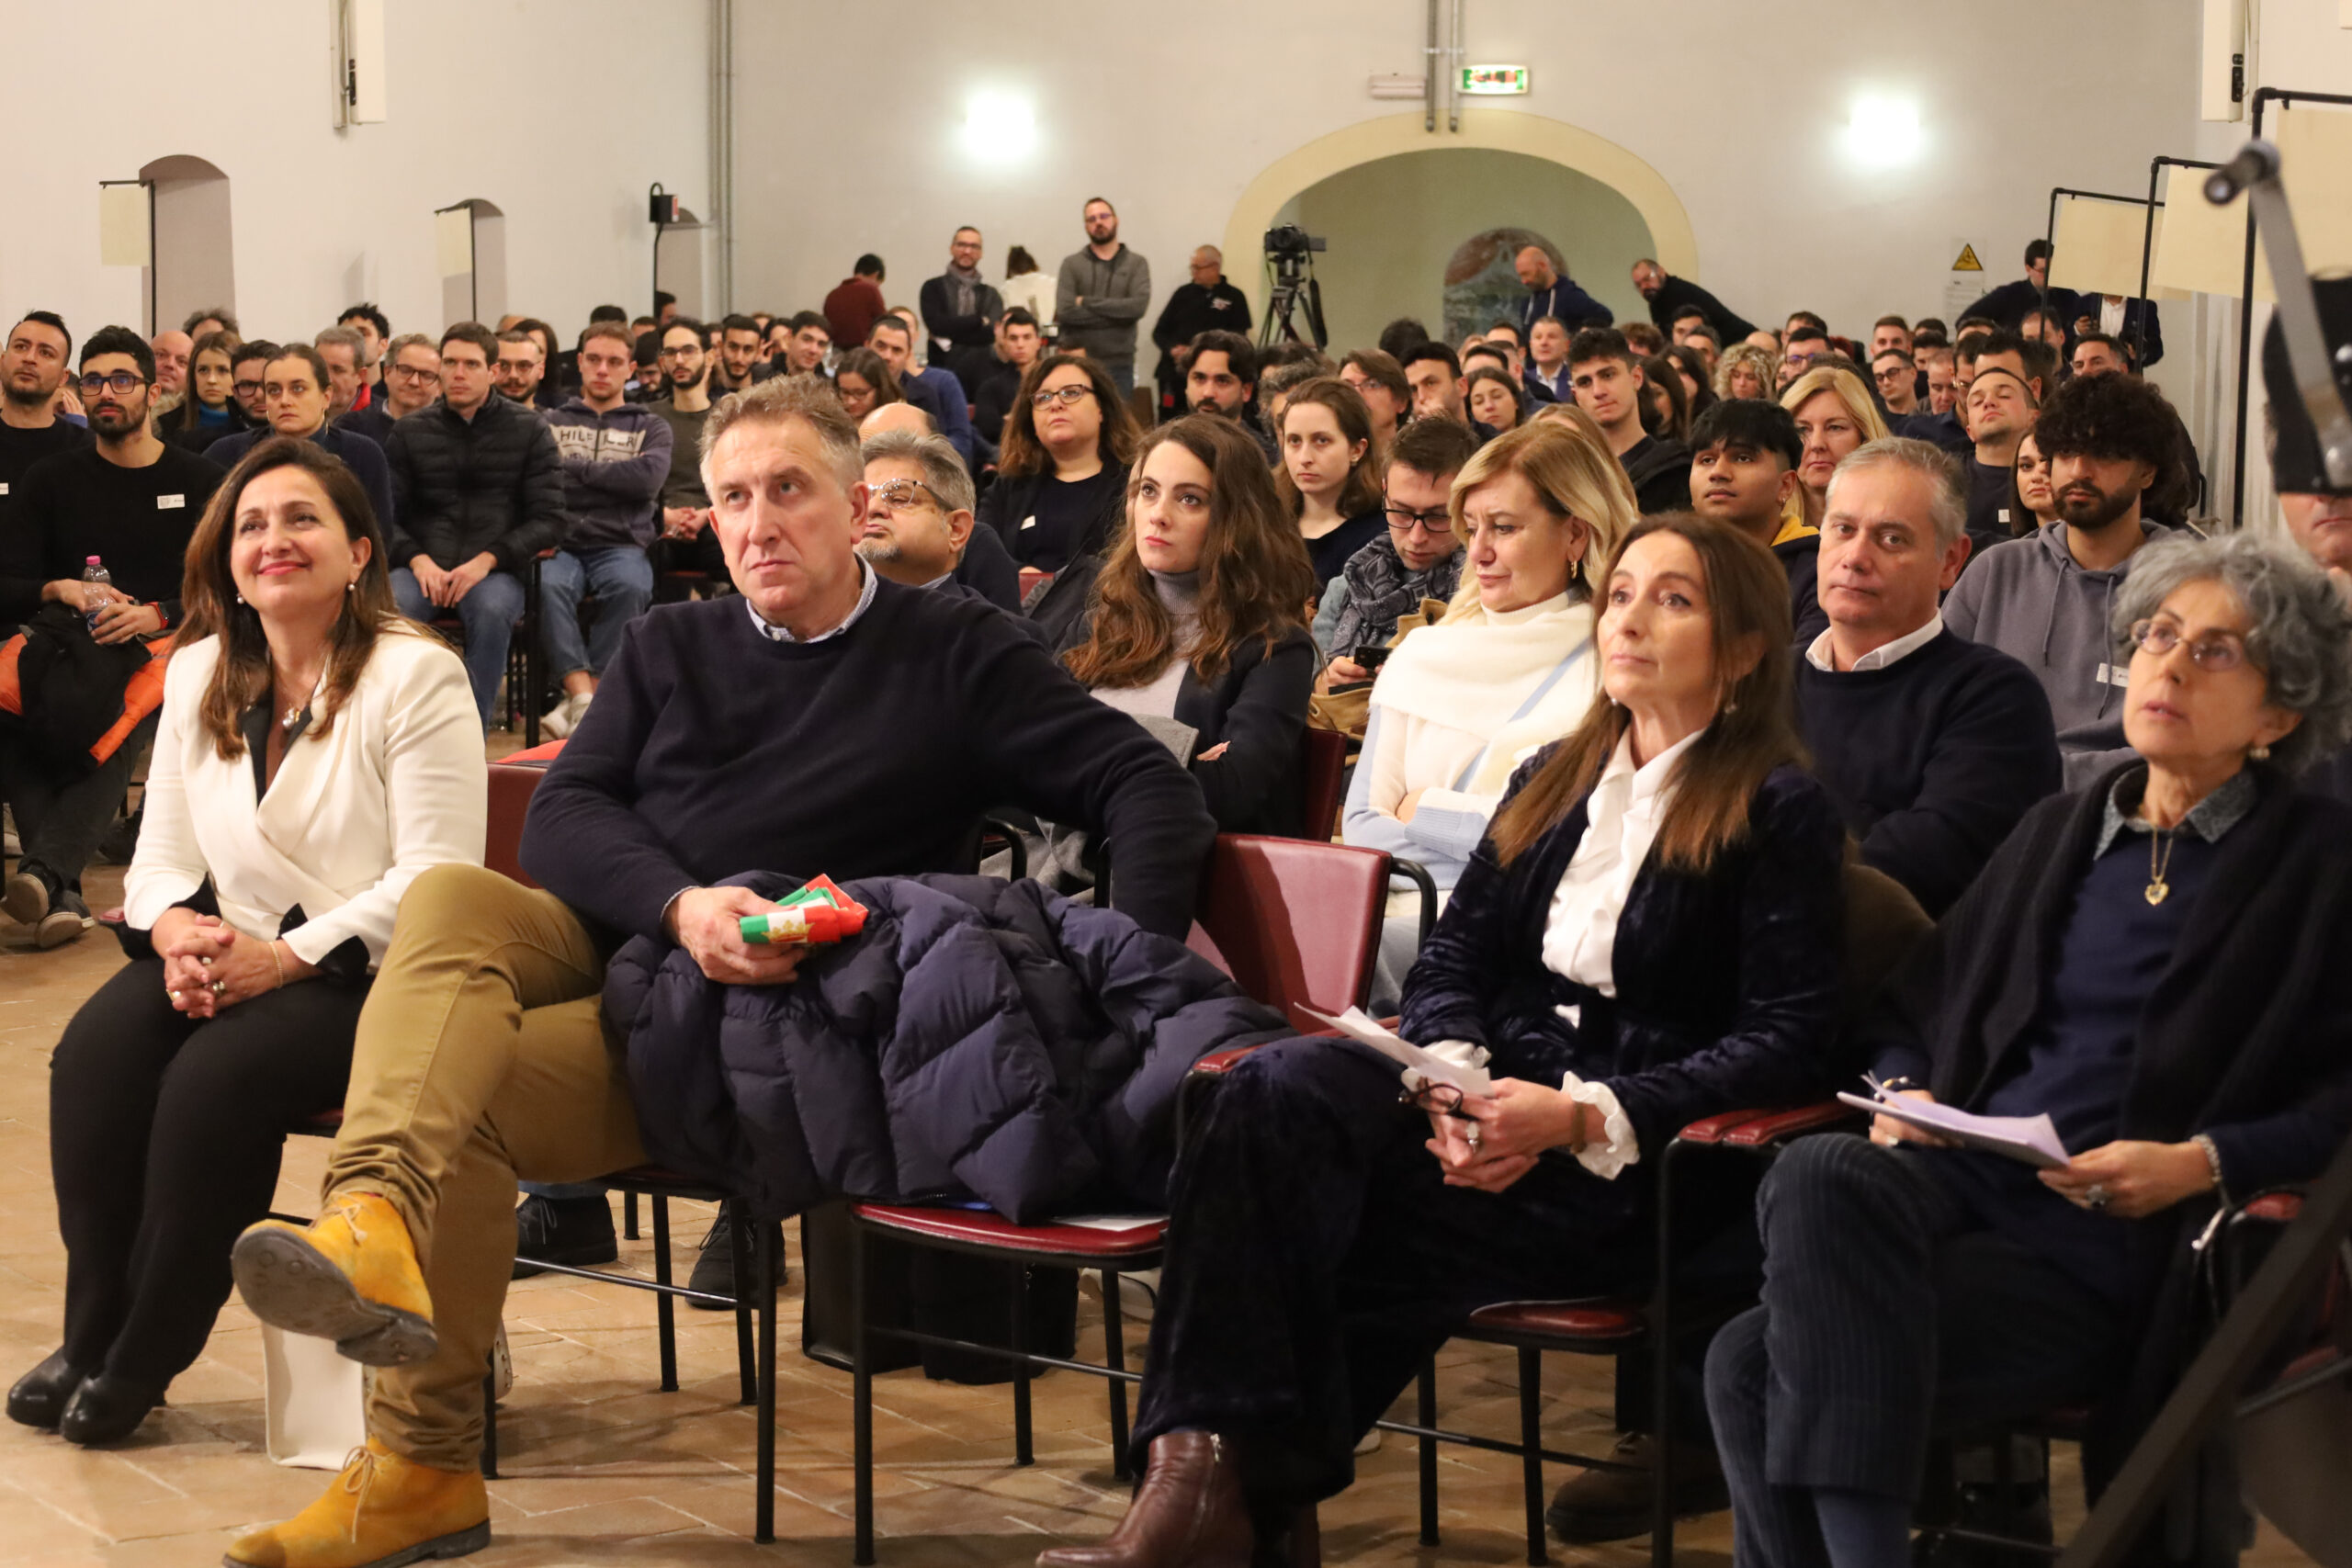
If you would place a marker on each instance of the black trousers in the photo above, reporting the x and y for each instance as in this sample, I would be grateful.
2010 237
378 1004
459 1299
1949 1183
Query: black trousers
1316 1258
62 817
165 1134
1891 1316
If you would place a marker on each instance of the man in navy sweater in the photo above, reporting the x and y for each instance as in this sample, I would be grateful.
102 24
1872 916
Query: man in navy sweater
1933 745
827 721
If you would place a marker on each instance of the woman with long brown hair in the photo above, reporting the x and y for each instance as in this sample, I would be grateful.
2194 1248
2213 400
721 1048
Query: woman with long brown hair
1331 474
1195 619
1649 934
316 752
864 382
210 410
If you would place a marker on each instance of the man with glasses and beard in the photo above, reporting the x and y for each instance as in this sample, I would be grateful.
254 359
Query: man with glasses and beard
1101 294
687 543
32 366
918 526
521 367
2044 600
133 500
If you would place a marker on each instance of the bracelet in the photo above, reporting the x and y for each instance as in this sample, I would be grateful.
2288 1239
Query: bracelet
2213 1161
280 964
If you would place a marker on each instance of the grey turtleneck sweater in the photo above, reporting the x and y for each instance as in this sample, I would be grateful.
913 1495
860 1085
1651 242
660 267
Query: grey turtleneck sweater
1180 596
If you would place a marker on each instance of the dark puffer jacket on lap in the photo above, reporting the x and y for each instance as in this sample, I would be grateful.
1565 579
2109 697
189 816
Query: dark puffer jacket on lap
978 1040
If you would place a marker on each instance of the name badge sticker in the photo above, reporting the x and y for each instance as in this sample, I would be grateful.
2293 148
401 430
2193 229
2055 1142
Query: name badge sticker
1028 523
170 502
4 489
2113 675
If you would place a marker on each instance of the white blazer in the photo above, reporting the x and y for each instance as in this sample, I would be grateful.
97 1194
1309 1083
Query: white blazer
399 784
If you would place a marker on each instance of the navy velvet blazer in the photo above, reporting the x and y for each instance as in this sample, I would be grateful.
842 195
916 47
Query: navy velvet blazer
1727 981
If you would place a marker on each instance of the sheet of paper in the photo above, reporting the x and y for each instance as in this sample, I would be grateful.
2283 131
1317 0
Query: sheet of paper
1356 1025
2029 1140
1111 1221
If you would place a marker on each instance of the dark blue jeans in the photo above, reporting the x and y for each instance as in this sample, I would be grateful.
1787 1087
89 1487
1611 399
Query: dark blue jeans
1891 1316
622 580
1316 1258
487 612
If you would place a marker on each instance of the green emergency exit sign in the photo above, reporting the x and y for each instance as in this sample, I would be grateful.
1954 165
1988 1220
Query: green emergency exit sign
1494 79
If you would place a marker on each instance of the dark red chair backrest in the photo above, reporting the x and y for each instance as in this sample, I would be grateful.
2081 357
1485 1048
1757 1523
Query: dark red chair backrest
512 781
1293 921
1323 774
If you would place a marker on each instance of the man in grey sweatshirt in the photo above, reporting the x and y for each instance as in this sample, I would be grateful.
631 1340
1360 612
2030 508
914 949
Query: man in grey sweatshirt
2048 600
1101 293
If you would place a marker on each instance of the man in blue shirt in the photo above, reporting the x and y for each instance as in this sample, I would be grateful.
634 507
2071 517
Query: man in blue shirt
1549 293
935 392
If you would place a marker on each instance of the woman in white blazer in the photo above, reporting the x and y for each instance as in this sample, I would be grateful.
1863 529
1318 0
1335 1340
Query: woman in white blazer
315 753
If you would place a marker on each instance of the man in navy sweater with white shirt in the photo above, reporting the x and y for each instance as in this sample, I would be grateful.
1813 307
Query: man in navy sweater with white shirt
827 720
1932 745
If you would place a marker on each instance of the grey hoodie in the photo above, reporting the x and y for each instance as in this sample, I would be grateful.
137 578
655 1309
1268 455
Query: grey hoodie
1116 293
2029 599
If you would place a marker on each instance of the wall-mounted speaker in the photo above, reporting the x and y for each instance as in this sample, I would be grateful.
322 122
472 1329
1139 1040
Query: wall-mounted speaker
2222 61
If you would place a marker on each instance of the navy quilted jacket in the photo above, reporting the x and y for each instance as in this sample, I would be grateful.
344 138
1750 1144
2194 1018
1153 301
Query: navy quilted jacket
978 1040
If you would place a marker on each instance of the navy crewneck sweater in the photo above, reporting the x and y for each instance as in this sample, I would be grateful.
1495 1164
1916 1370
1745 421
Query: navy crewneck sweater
1931 760
712 750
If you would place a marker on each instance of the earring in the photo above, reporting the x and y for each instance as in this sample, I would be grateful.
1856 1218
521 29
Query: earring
352 586
2260 753
241 598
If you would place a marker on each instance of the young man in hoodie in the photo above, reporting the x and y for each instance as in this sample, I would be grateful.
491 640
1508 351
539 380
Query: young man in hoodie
1608 386
615 457
2047 600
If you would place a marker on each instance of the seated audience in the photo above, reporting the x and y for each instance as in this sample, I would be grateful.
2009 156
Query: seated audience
917 528
1806 343
2033 504
314 754
295 402
521 369
1746 371
615 457
1387 396
1697 374
2099 354
477 494
345 354
1440 390
864 381
1666 407
1744 473
36 366
1932 745
1897 383
2001 410
1017 347
1194 618
1496 401
1401 336
1221 378
210 410
411 379
1834 415
733 735
1278 379
687 543
2046 600
1644 339
1330 476
1061 477
129 501
1508 669
934 390
1608 386
1648 934
1416 561
1913 1289
1547 357
250 359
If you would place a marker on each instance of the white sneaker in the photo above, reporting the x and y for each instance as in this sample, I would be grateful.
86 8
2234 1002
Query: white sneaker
564 717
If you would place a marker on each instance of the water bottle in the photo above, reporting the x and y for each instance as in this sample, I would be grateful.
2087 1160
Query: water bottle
94 574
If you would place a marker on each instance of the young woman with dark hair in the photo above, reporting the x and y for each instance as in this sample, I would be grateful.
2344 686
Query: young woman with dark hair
210 410
1196 617
1650 934
864 382
316 752
1061 478
1330 475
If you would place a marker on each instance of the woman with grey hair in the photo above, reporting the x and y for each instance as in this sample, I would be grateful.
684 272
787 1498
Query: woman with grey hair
2163 966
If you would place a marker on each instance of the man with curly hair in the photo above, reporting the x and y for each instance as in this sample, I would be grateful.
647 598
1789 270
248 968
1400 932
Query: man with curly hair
2047 598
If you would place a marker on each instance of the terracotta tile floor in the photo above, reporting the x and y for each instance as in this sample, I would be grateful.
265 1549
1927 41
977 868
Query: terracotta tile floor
601 1468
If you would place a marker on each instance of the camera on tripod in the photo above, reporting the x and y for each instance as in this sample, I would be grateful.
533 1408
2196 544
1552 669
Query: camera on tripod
1290 253
1290 242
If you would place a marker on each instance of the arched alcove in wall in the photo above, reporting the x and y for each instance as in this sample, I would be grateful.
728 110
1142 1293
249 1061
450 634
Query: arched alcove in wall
1396 203
470 236
679 262
193 264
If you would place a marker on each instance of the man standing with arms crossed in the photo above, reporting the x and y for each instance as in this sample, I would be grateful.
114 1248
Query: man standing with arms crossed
1101 294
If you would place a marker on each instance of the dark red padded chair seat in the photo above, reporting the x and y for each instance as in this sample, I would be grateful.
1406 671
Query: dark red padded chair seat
1323 774
2276 1207
537 756
1772 1126
1584 1321
1293 921
978 1227
1714 1129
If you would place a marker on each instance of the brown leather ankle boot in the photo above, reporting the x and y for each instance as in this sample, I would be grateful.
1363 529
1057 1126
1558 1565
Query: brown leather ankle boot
1188 1513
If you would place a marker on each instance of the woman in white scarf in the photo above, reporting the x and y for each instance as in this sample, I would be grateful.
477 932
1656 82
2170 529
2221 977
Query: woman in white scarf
1460 704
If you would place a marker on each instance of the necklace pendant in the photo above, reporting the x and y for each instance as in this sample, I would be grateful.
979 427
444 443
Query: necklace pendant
2158 892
